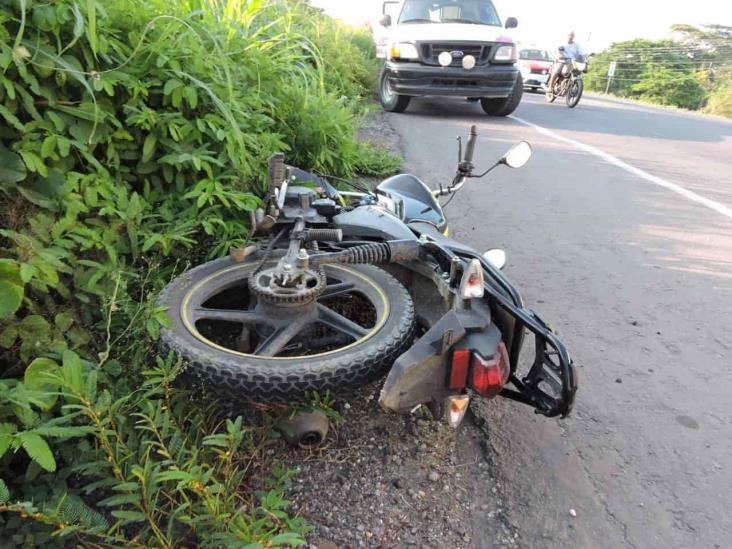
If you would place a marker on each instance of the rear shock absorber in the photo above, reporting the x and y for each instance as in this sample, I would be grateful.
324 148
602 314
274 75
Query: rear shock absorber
372 254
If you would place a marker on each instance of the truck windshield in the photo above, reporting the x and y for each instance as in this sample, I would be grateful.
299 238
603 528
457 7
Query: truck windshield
475 12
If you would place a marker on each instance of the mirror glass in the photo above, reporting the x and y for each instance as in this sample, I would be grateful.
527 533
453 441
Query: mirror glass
385 20
511 23
496 257
518 156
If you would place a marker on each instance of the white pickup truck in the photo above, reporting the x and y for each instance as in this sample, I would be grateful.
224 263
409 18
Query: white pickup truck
448 48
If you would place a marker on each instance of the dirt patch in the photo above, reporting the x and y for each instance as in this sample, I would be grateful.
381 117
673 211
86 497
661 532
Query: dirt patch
377 130
386 480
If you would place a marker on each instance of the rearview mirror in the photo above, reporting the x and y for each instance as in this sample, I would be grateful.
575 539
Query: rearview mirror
496 257
511 23
385 20
518 156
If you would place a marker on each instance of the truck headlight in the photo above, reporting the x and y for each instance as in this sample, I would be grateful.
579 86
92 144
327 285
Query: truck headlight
506 53
403 50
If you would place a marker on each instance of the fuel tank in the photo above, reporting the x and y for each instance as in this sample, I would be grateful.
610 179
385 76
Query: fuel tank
418 202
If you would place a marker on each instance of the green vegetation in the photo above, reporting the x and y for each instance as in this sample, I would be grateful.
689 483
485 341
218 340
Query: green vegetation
133 142
693 72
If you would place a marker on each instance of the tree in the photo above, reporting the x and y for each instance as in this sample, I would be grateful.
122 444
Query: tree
687 71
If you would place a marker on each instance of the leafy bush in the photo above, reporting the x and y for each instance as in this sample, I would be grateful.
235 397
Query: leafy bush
721 101
686 73
134 140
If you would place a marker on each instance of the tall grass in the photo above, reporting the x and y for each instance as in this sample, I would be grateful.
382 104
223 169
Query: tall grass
133 143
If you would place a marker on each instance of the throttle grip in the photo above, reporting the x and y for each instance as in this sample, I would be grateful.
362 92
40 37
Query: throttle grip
470 149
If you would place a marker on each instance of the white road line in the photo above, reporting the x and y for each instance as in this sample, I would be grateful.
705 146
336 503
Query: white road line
610 159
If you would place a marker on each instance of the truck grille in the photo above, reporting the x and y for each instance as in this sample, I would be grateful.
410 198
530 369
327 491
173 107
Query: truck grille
431 51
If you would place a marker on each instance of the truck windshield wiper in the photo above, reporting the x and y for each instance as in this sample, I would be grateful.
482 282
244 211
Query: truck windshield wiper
417 21
468 21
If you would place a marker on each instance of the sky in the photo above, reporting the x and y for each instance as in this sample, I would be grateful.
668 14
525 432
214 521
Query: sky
597 24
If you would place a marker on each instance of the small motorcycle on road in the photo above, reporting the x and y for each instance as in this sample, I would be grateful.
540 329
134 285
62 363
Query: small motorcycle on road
570 84
344 287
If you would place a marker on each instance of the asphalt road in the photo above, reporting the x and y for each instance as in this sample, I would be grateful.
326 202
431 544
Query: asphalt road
635 274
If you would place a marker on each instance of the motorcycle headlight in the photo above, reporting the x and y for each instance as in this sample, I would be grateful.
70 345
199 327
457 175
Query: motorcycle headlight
506 53
580 66
403 50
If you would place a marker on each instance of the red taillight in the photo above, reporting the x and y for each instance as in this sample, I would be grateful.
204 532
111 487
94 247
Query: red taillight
489 375
459 369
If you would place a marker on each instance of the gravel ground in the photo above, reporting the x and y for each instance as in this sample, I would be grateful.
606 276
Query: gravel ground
385 480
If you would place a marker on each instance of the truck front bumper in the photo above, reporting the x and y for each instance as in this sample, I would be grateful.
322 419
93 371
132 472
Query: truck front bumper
489 81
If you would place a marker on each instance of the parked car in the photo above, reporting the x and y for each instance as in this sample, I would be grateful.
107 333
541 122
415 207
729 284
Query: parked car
449 48
536 66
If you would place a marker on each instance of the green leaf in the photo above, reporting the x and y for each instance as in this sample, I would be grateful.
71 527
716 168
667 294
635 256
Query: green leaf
72 372
6 436
11 119
11 298
10 272
27 272
12 169
192 96
129 516
34 163
41 373
78 23
171 85
58 431
64 147
149 148
127 487
49 146
121 499
287 539
34 326
151 241
8 336
38 450
63 321
4 492
91 34
78 336
42 376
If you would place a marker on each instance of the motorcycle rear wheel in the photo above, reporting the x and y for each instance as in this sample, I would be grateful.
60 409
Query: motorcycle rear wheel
362 322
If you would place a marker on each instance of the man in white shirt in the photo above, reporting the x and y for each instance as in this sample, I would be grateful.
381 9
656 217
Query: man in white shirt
567 53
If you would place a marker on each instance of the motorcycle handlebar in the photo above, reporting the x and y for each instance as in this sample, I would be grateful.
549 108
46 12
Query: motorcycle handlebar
470 149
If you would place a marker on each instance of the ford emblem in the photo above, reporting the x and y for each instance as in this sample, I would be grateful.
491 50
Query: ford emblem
457 54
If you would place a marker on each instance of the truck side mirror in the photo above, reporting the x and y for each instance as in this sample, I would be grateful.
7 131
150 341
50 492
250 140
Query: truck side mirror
511 23
385 20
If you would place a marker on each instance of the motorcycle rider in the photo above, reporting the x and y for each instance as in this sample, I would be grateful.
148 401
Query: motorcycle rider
571 51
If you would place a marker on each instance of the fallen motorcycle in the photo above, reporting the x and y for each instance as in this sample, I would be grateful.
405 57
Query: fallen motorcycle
344 287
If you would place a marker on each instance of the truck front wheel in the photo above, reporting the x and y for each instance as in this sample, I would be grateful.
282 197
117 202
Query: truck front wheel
504 107
390 100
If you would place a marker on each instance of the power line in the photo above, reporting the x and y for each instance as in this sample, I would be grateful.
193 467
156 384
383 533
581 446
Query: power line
684 48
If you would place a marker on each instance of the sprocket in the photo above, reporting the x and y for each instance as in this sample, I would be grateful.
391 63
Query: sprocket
301 288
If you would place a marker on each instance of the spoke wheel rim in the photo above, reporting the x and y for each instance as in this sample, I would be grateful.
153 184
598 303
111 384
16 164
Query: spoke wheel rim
277 328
